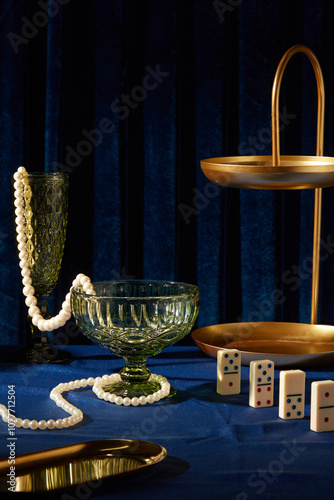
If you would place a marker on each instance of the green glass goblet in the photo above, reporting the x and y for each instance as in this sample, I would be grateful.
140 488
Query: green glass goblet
135 320
45 212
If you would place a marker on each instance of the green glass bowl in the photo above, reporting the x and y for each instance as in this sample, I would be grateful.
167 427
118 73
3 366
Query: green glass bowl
135 320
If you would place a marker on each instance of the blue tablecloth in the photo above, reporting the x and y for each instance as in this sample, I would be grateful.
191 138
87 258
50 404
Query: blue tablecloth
218 446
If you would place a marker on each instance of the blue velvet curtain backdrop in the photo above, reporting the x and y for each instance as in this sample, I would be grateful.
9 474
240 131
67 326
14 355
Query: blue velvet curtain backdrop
128 97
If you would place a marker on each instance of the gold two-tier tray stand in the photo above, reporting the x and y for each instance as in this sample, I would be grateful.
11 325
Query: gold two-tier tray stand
288 344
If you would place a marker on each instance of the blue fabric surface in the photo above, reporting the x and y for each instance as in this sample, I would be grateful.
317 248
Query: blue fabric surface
140 205
217 446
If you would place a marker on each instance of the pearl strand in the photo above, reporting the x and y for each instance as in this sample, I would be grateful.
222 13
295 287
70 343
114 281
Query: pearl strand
142 400
56 322
76 413
28 290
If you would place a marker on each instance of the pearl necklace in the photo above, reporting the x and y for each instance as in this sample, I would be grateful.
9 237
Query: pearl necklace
20 185
76 413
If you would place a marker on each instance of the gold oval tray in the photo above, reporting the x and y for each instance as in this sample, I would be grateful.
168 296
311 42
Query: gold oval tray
286 344
258 172
68 466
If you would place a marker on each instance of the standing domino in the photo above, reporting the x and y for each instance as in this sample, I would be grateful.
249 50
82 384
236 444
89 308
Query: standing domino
228 372
322 406
291 394
261 383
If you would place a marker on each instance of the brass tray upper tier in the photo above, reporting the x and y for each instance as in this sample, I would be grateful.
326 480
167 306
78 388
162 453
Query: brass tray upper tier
286 344
258 172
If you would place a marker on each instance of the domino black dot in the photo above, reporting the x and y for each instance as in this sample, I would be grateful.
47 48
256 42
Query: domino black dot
288 414
299 400
259 379
269 379
293 407
235 367
288 401
225 368
231 362
225 355
236 354
264 372
269 365
299 413
260 367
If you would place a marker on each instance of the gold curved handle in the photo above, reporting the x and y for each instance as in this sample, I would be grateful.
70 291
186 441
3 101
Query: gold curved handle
275 100
320 145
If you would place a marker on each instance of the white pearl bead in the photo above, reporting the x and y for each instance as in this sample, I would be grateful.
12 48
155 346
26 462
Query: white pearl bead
106 396
66 422
25 423
106 378
47 326
33 424
36 319
21 238
22 246
59 423
66 306
23 263
142 400
40 325
126 401
17 185
83 382
71 385
28 290
19 211
20 220
68 298
135 401
22 170
19 202
112 398
31 300
91 381
87 286
51 424
42 425
18 422
20 228
64 315
156 396
119 400
26 280
18 176
84 279
150 398
51 324
18 193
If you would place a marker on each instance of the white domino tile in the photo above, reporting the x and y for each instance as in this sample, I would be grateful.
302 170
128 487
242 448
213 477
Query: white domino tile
322 406
228 371
261 383
291 394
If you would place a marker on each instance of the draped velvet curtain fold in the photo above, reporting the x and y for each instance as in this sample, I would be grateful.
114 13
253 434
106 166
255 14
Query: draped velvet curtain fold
128 97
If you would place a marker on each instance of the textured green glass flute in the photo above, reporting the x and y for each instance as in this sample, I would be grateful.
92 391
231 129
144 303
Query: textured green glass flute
135 320
45 211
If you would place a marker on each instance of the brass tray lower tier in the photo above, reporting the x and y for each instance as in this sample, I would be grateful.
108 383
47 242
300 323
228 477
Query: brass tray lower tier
258 172
286 344
68 466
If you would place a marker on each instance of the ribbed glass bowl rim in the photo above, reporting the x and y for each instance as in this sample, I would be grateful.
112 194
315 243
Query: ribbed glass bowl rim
48 175
194 290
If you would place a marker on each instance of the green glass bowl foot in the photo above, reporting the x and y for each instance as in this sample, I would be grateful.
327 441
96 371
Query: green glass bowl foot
132 390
